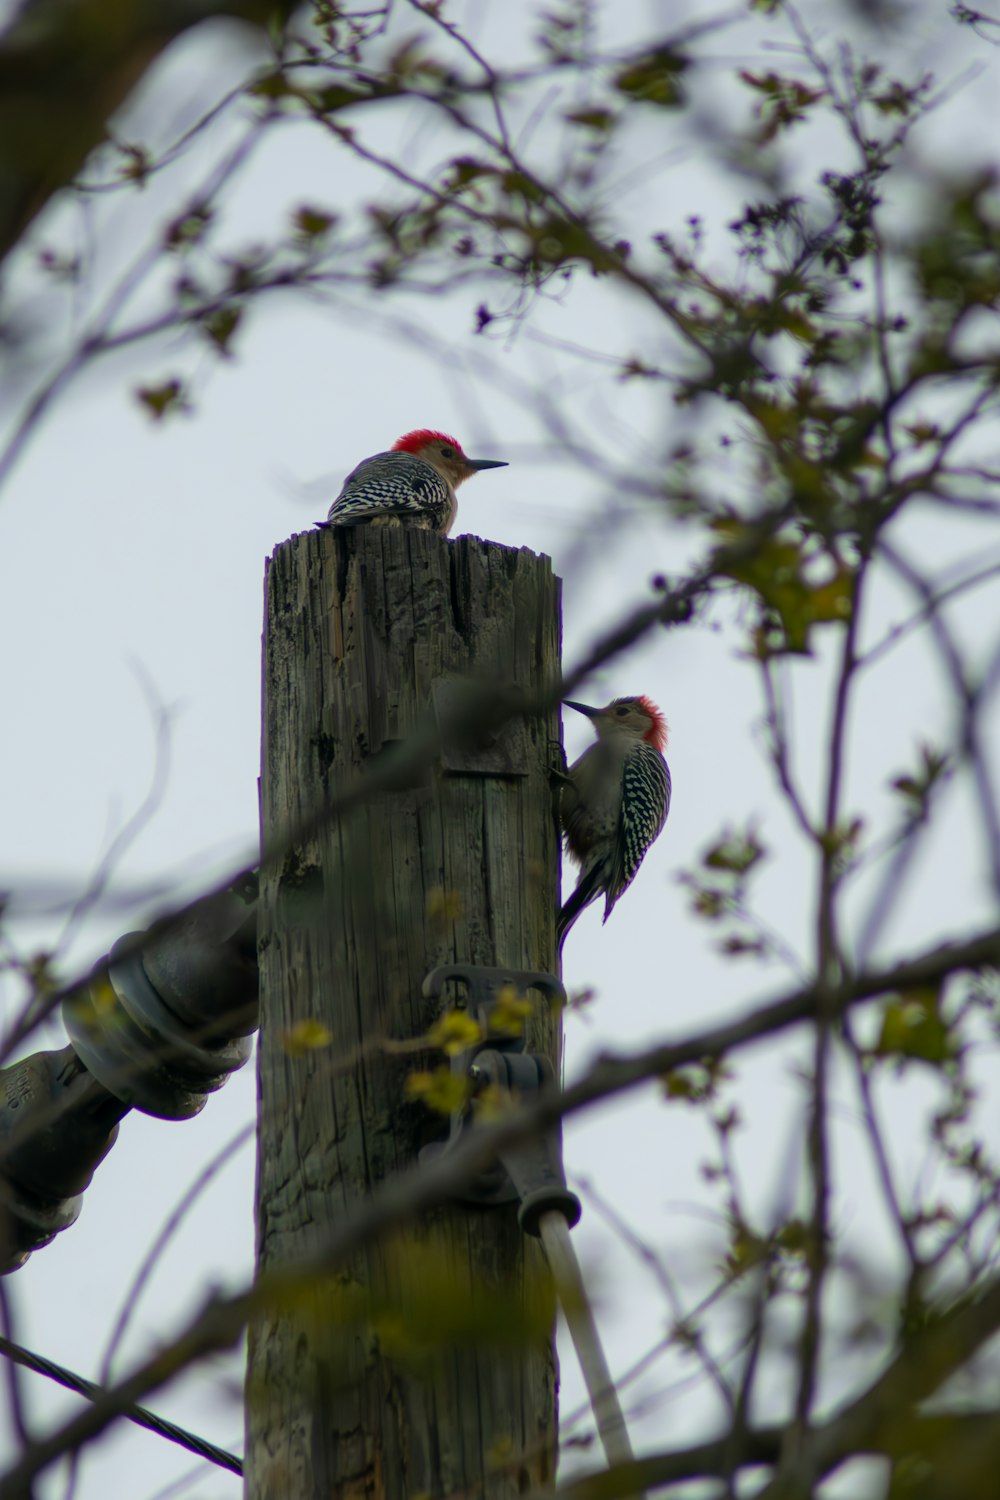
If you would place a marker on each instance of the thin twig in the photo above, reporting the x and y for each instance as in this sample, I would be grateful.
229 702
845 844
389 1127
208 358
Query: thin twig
970 699
829 965
400 1197
659 1268
208 1173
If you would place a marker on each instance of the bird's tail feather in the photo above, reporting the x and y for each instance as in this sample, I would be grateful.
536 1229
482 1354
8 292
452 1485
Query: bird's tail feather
588 889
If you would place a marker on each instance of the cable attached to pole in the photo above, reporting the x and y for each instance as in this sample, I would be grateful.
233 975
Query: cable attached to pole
572 1293
530 1172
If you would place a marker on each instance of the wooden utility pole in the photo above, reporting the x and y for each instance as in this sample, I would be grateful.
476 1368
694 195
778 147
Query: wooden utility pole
425 1366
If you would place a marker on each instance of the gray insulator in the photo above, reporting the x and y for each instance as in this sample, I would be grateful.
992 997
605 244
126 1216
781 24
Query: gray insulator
172 1016
205 967
161 1027
138 1046
56 1124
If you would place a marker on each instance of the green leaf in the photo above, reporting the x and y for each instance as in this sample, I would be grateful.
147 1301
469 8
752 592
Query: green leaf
189 228
593 119
796 1239
696 1083
307 1035
274 86
896 100
736 946
511 1012
784 101
312 223
443 906
426 1301
840 843
454 1032
336 97
465 169
746 1250
922 431
221 325
912 1027
916 789
41 973
520 184
655 78
737 853
163 400
136 164
777 572
441 1090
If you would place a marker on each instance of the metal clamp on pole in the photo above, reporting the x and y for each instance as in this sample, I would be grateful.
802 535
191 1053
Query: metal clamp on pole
531 1171
533 1167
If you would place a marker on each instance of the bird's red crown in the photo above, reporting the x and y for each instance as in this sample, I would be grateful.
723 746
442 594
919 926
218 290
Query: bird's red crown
656 734
412 442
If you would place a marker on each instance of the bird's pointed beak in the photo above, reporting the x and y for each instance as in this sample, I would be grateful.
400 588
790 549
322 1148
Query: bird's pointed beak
486 463
582 708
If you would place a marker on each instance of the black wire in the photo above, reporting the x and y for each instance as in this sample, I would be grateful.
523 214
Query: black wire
138 1414
16 1399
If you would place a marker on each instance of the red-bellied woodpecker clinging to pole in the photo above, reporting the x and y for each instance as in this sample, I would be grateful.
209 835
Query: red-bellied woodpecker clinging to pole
614 802
413 484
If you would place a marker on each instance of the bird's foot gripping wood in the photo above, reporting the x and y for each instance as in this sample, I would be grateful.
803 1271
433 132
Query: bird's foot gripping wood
557 766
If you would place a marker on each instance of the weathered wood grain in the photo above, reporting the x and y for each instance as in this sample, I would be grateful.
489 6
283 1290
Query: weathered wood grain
407 1373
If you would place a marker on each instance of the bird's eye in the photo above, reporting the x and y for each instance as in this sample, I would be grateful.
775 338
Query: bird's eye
622 712
447 453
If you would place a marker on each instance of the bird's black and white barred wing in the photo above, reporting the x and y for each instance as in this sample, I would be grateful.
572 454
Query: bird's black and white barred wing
391 484
644 807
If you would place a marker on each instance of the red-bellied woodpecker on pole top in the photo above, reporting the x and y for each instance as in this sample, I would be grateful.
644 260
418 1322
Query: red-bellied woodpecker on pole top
614 802
413 484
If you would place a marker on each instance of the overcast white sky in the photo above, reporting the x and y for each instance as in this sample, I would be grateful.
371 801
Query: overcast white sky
132 554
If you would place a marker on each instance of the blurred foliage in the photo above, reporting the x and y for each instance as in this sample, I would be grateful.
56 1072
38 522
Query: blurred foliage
509 1015
455 1031
720 891
418 1304
307 1035
440 1089
916 789
829 369
912 1027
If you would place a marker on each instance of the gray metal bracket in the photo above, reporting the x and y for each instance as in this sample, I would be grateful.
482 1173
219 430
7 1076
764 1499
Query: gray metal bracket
531 1171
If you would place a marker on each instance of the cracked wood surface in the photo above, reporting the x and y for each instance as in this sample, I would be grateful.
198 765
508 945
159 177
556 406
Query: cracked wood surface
426 1366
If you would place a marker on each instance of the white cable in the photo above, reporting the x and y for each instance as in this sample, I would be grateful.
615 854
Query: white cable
572 1294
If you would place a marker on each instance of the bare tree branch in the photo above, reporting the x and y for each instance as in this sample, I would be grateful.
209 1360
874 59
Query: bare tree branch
65 67
405 1195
